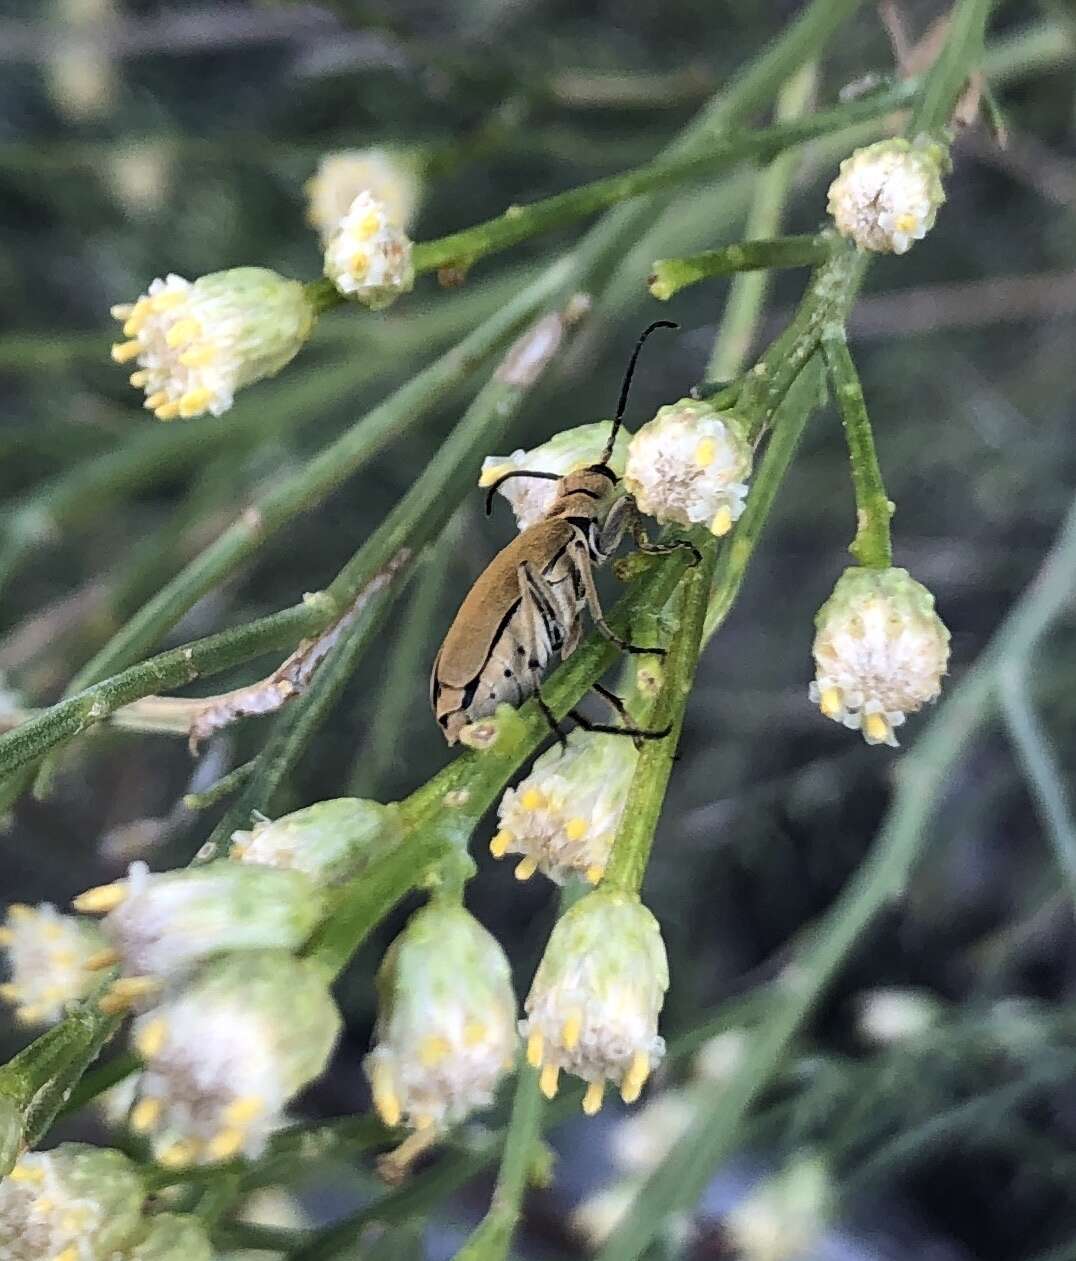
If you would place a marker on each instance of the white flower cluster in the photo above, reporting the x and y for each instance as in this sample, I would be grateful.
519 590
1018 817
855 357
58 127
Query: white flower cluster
197 343
887 195
880 652
368 256
47 954
388 176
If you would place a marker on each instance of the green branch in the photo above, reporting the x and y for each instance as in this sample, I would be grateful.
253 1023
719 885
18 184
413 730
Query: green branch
670 275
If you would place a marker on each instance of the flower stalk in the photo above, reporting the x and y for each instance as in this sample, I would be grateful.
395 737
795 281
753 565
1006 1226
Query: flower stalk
670 275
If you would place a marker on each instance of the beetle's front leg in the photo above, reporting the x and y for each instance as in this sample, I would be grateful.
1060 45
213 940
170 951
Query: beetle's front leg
644 545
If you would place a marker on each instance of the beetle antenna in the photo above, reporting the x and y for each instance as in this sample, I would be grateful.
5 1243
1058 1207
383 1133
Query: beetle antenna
495 486
618 419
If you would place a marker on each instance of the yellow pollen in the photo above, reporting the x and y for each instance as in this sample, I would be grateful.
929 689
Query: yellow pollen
9 992
368 226
498 847
531 799
182 332
243 1109
31 1014
830 702
638 1072
358 263
101 960
905 222
154 400
489 475
101 899
548 1079
576 829
573 1027
121 310
198 356
592 1100
124 352
27 1173
167 300
433 1050
132 326
594 873
145 1115
151 1037
474 1032
385 1098
722 521
526 868
178 1154
127 990
6 936
225 1145
876 726
535 1046
168 411
194 401
70 1253
705 452
139 379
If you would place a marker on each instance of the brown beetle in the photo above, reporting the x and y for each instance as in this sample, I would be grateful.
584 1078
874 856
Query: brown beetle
526 606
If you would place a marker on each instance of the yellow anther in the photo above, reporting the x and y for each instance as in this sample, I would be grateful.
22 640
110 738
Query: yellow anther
722 521
27 1173
9 992
527 867
151 1037
31 1014
139 379
594 873
19 910
198 356
145 1115
474 1032
133 325
168 411
593 1099
101 899
178 1154
102 959
576 829
433 1050
634 1079
358 263
369 225
830 702
489 475
42 1205
905 222
155 400
548 1079
194 402
876 727
127 990
423 1122
168 299
535 1046
121 311
182 332
705 452
70 1253
225 1145
124 352
498 847
244 1109
6 936
573 1027
385 1099
531 799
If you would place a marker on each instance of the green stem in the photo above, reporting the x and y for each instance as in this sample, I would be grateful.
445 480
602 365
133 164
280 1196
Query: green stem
635 835
871 545
961 55
670 275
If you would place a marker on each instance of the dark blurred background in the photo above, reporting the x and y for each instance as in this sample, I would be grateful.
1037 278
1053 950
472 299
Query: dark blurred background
142 138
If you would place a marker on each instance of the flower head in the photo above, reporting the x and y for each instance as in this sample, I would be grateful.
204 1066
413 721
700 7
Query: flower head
880 651
572 449
330 841
198 343
887 195
75 1203
562 818
894 1015
161 925
690 465
390 177
225 1053
173 1237
594 1004
646 1136
47 955
784 1217
368 256
446 1025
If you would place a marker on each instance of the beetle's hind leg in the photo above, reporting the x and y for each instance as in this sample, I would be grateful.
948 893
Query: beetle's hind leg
551 719
628 728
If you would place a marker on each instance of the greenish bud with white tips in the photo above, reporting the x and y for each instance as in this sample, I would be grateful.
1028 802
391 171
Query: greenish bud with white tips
572 449
594 1004
162 924
75 1203
330 841
880 651
224 1055
173 1237
198 343
446 1025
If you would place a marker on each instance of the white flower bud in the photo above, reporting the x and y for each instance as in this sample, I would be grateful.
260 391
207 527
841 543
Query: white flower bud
563 816
887 1016
887 195
139 175
784 1217
197 344
368 256
74 1203
690 465
571 449
596 1217
643 1139
225 1054
880 651
80 78
47 955
721 1056
389 176
594 1004
446 1025
173 1237
160 925
330 841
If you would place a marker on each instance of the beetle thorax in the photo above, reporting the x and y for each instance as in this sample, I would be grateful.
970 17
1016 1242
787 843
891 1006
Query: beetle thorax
588 492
